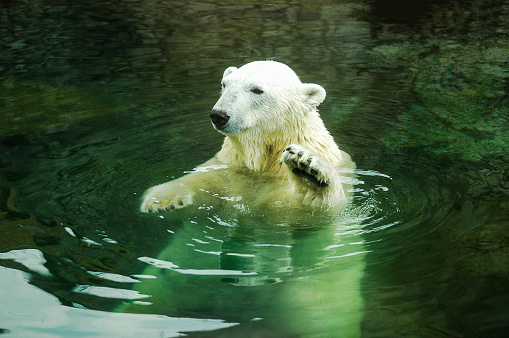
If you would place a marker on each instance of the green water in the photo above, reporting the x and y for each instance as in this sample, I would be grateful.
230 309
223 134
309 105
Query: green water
101 100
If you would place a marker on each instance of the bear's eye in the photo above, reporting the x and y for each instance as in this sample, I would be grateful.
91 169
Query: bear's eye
257 91
223 85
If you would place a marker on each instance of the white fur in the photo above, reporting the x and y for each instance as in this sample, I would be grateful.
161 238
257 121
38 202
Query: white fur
268 110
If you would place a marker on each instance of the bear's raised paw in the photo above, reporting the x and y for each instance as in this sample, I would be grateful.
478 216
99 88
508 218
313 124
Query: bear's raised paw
305 165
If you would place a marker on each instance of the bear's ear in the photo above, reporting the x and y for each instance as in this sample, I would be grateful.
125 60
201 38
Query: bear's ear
228 71
313 94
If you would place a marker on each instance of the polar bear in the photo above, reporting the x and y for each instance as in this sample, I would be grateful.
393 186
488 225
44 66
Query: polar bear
276 152
260 239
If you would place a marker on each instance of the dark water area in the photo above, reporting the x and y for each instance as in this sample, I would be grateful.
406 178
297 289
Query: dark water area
100 100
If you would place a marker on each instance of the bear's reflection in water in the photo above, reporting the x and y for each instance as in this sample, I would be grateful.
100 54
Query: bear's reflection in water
289 275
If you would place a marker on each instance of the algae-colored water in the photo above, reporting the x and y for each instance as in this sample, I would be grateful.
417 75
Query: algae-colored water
101 100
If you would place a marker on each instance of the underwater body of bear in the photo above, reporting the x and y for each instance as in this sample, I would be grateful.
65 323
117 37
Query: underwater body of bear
273 131
262 237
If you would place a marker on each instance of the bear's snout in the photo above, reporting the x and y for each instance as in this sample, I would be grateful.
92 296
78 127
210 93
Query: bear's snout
219 118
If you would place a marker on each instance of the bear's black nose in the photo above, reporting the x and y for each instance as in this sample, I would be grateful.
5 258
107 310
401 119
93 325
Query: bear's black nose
219 118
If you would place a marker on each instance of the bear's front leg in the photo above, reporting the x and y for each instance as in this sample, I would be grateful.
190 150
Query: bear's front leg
308 166
166 197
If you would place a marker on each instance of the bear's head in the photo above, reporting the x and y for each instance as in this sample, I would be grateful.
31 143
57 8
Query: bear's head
263 96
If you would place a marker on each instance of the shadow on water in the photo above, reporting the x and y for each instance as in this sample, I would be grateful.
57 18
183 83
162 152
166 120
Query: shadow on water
101 101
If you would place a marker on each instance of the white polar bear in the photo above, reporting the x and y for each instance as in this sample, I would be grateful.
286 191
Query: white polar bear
277 151
242 253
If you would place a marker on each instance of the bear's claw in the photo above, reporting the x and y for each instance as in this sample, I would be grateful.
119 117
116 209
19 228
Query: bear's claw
303 165
158 201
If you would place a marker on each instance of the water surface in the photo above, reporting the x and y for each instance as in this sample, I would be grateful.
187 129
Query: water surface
101 100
